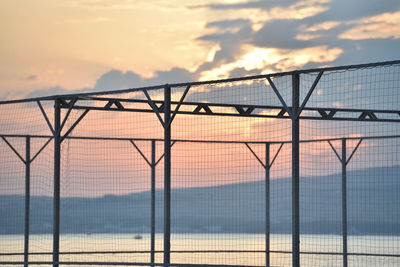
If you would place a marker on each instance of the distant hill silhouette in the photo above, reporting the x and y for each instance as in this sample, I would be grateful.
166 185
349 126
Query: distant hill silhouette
373 208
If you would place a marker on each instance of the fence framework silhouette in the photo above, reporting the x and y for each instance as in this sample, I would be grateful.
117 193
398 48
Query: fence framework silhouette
63 115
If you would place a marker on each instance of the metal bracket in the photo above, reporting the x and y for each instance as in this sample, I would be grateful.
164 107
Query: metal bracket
368 114
116 103
282 113
326 115
243 111
204 107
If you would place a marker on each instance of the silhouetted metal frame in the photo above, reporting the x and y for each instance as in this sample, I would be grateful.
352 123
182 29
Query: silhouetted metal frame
294 114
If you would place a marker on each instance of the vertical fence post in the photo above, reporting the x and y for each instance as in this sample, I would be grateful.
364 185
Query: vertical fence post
167 175
295 171
267 206
344 201
27 197
153 200
56 193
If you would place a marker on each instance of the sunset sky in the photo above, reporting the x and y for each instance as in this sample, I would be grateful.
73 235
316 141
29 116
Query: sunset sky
58 46
53 47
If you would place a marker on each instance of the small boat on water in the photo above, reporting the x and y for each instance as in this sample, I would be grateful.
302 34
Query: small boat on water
137 237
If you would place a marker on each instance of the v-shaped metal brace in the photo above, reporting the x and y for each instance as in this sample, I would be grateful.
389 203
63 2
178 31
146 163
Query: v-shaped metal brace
20 156
346 161
287 109
266 165
161 108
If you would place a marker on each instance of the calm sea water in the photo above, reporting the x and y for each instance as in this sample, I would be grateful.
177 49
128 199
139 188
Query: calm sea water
204 243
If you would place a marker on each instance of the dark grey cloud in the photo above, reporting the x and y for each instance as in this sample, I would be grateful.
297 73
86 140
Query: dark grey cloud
227 24
280 34
344 10
239 72
55 90
116 79
229 42
368 50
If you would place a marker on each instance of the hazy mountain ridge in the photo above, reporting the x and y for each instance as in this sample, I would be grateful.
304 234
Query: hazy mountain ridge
373 208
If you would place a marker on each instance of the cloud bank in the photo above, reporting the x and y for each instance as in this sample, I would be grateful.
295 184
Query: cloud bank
253 37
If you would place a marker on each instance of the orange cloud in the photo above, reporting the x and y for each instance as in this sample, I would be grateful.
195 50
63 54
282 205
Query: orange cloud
386 25
323 26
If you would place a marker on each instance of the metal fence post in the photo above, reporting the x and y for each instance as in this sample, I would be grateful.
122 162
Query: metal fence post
27 197
153 200
344 202
295 171
167 175
267 206
56 193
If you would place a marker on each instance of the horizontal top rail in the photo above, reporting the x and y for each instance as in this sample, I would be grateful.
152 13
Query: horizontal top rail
201 141
254 77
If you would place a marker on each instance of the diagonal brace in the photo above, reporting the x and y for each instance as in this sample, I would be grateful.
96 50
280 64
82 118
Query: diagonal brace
41 149
70 106
45 116
140 152
354 150
153 106
179 105
309 93
256 156
276 155
13 149
279 95
334 150
74 125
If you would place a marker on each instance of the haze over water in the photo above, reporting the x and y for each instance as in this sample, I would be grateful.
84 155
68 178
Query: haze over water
213 242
